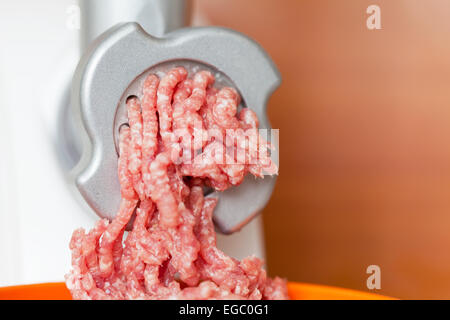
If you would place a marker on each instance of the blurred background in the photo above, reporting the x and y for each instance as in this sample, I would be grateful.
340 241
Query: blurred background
364 119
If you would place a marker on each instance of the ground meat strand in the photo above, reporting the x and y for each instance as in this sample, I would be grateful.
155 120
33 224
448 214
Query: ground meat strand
171 252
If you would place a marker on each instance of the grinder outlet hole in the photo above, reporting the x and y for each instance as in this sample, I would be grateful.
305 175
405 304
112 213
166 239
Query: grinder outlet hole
134 89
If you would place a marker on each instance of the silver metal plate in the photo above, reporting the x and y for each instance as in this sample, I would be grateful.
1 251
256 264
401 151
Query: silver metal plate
112 68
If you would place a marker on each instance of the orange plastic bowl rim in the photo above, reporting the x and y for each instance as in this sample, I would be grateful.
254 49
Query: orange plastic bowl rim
297 291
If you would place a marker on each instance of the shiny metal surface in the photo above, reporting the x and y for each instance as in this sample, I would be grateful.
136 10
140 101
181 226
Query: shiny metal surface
157 17
108 73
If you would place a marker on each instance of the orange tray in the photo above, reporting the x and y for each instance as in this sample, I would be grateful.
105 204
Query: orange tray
297 291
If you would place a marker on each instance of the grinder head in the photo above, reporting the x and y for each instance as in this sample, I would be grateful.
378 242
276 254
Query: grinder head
113 69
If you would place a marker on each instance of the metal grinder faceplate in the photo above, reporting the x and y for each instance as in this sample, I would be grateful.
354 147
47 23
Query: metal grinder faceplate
113 68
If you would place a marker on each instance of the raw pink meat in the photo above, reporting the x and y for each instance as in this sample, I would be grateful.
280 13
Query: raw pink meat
171 251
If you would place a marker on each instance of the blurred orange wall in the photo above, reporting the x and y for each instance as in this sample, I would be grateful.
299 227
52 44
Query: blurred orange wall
364 119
